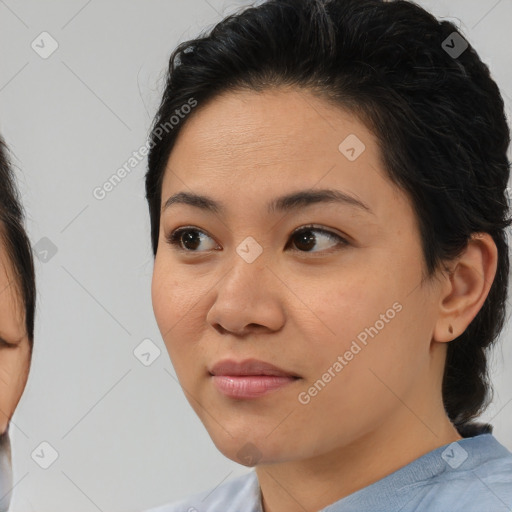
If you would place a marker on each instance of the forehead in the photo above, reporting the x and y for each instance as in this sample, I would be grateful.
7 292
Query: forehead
12 315
248 145
270 127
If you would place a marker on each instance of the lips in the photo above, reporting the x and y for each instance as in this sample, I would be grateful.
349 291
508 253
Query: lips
248 367
250 378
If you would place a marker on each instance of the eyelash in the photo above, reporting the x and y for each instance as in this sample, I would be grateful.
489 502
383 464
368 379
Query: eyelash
174 238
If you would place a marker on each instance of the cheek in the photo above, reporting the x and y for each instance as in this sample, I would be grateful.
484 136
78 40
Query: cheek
162 296
178 309
14 365
341 308
171 294
360 321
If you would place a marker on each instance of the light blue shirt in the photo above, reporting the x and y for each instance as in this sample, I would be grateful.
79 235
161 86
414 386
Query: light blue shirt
5 471
470 475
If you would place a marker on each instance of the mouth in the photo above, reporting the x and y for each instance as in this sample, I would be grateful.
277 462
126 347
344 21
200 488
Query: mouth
250 378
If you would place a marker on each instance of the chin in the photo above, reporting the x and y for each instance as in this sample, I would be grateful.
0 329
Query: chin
248 449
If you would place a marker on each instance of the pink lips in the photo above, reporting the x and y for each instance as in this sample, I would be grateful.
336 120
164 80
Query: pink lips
249 379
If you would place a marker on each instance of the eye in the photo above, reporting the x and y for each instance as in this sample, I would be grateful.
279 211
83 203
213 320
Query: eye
187 239
6 344
188 235
304 239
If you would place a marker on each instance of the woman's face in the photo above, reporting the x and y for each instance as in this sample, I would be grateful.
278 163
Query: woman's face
14 343
338 308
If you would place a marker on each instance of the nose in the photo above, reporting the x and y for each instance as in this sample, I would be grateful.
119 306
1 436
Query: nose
248 298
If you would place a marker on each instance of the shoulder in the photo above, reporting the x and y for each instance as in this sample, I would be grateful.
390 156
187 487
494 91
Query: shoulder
480 479
241 493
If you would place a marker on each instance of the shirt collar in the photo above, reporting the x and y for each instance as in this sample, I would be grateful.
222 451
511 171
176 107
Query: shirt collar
395 489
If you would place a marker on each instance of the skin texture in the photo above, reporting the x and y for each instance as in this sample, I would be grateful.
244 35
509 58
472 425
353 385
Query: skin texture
14 344
301 306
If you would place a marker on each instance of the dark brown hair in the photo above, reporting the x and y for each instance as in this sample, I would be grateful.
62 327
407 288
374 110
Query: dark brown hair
16 242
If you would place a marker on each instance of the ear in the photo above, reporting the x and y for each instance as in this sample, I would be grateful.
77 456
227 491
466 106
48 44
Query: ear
466 287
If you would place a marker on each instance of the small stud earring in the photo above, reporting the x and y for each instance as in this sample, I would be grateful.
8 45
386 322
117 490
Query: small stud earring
450 328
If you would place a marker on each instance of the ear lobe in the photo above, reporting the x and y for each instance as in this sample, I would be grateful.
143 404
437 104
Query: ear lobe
466 287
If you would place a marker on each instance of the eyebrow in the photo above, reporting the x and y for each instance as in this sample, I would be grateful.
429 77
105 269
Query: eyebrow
286 203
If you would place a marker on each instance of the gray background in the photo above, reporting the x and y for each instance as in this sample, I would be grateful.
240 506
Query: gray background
126 437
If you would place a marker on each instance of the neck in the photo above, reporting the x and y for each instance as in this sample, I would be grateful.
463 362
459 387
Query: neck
321 480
